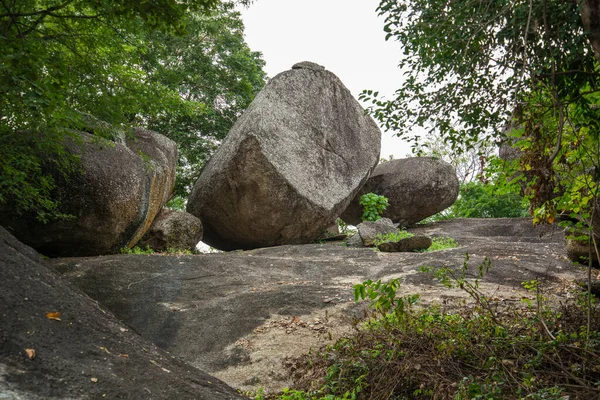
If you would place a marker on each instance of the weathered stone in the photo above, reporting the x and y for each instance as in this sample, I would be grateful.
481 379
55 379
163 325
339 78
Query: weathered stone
85 354
332 230
594 286
114 199
171 229
416 188
369 231
290 165
580 252
332 233
355 241
413 243
308 65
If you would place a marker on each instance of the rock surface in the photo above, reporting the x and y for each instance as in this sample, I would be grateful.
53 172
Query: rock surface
115 199
413 243
416 188
240 315
369 231
173 229
84 354
580 252
289 166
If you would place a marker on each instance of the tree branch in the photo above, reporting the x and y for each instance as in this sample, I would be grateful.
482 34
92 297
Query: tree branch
40 12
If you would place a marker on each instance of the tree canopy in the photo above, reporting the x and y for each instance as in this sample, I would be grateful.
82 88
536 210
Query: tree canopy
125 62
215 75
521 72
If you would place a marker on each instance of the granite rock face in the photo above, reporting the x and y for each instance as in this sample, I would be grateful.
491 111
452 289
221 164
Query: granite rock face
416 188
114 199
80 351
289 166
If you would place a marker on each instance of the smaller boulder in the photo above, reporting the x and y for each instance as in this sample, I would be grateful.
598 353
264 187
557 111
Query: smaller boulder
415 187
580 252
332 233
594 286
370 230
177 230
413 243
355 241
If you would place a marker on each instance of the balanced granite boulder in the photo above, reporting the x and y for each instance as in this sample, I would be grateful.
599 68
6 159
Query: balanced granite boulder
416 188
114 198
173 230
289 166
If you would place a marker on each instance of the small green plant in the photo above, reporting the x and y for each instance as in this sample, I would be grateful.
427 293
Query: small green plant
176 203
392 237
373 206
440 243
383 298
137 250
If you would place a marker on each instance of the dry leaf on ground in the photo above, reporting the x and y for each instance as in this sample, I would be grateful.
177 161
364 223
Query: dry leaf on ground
53 315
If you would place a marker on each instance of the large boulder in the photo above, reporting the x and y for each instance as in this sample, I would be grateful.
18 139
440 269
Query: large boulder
290 165
416 188
171 229
114 198
57 343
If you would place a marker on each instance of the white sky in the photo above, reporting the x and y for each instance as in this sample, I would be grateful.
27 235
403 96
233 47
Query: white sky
344 36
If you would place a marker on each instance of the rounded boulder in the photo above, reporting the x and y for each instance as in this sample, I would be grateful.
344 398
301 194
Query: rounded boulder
415 187
173 230
113 198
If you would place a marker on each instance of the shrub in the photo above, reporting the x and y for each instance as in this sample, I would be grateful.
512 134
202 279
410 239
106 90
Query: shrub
373 206
137 250
490 350
477 200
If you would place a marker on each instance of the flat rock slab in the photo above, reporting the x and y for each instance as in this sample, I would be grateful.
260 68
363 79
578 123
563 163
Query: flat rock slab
82 351
240 315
